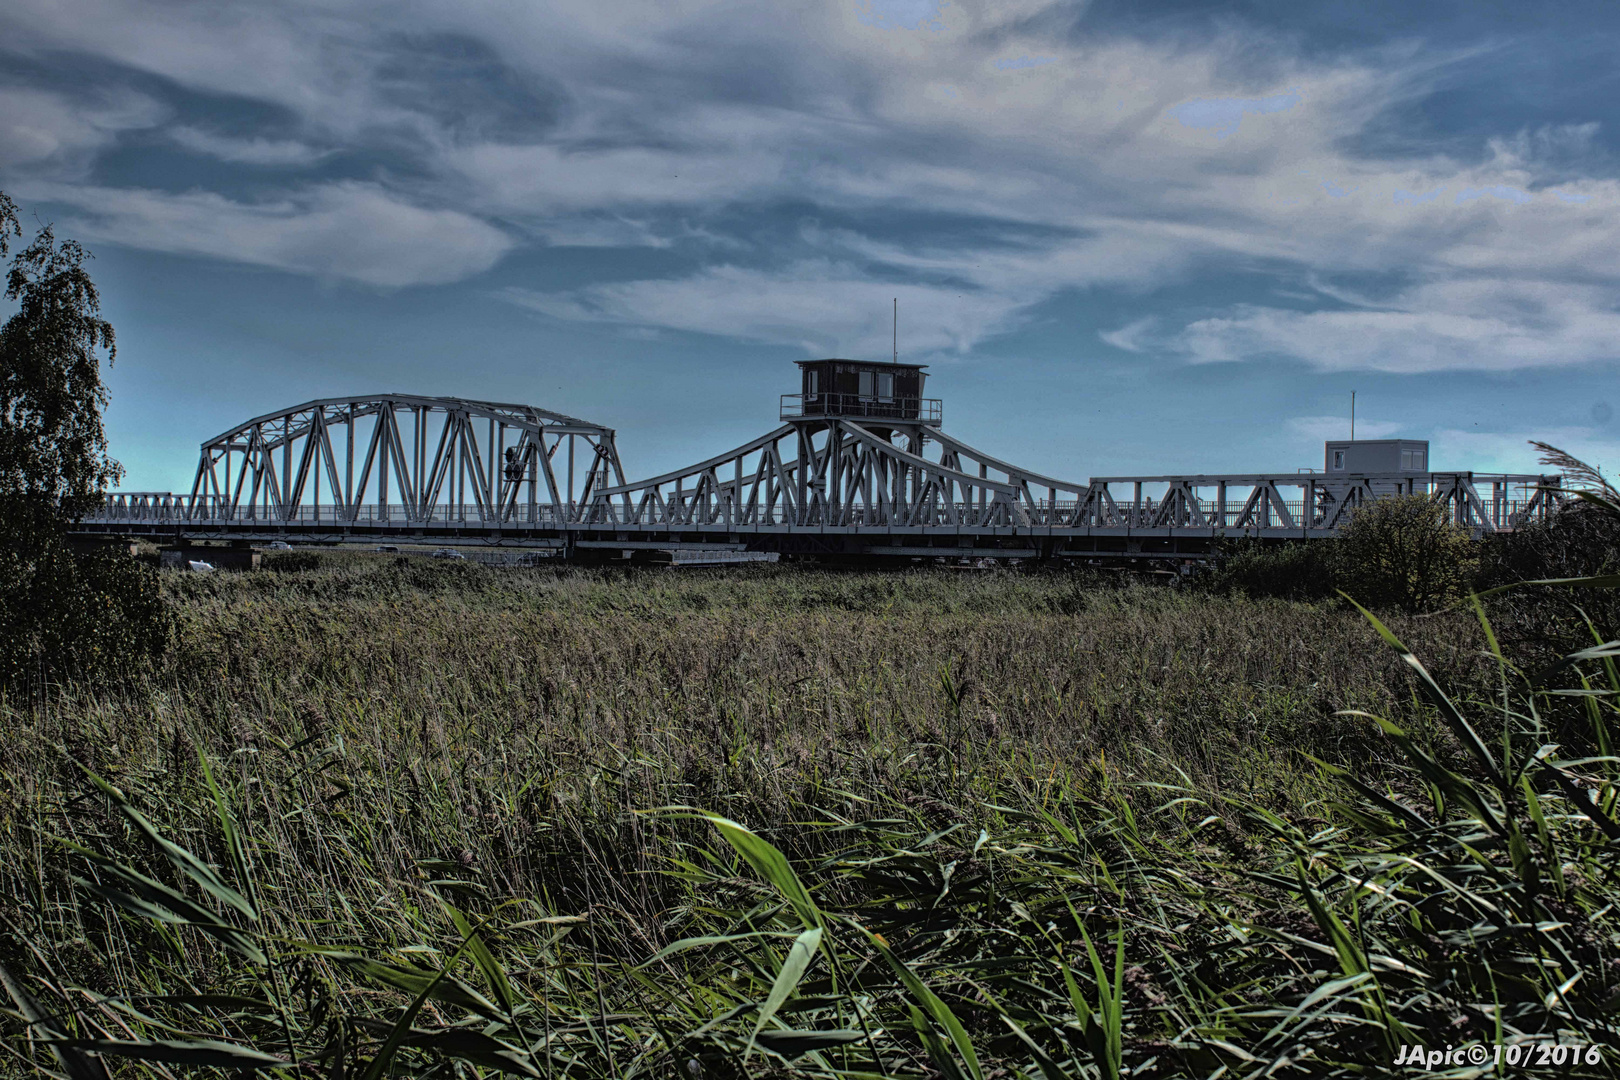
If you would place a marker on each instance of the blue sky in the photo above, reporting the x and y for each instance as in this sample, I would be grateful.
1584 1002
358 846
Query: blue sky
1128 236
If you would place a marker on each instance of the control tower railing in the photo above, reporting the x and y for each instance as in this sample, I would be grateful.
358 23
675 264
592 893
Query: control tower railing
909 410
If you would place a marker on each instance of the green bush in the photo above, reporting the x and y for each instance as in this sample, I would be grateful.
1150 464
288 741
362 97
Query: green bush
1577 540
87 613
442 575
1403 551
1293 570
291 562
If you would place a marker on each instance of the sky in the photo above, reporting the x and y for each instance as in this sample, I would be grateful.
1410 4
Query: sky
1127 236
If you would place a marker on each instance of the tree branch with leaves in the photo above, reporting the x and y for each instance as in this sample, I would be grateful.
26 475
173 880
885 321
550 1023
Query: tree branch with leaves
54 465
60 608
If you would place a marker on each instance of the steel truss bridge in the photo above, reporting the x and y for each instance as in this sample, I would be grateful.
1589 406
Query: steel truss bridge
432 470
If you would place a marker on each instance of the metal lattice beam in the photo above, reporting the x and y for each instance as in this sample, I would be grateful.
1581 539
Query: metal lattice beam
833 472
403 457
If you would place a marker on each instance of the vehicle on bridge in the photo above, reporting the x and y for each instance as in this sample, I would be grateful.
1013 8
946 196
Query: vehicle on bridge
859 468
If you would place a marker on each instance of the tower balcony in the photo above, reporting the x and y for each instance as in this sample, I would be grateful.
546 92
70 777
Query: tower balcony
859 407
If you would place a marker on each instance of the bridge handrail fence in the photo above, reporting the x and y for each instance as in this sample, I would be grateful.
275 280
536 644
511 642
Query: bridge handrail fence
1237 503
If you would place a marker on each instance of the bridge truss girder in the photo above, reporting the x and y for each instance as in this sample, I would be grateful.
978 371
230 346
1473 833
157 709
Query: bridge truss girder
1323 505
833 472
837 472
421 458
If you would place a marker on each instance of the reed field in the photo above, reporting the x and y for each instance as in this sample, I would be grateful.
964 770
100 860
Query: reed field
380 816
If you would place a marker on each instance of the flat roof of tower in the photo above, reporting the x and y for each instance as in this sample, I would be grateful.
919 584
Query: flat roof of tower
873 363
1372 442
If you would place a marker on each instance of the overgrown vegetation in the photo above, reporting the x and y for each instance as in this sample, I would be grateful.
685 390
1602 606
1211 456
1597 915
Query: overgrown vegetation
1297 570
392 817
1404 551
1400 551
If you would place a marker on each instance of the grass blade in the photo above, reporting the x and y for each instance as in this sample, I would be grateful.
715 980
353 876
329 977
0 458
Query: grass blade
935 1008
201 1052
800 954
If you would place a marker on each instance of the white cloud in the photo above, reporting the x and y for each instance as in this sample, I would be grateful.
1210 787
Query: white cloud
1504 192
283 153
900 14
1547 141
1223 116
309 57
1137 161
545 180
1133 336
353 231
1025 61
622 231
821 307
1460 324
613 231
43 130
1113 144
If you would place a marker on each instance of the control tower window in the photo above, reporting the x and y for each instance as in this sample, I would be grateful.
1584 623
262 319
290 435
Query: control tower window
812 385
868 384
885 385
1338 459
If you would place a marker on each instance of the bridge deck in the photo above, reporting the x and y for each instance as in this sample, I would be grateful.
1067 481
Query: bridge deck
1149 526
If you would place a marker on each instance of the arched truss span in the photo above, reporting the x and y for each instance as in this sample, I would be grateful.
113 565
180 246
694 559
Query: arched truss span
840 473
405 459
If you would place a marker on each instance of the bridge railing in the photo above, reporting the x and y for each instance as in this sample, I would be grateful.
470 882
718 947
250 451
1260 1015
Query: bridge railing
1275 505
1502 513
1312 502
156 506
823 514
163 508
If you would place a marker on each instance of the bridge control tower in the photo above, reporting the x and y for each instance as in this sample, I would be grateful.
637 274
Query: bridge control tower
862 391
1381 456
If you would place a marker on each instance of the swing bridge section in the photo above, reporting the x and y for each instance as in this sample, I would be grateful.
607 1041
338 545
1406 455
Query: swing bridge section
887 482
